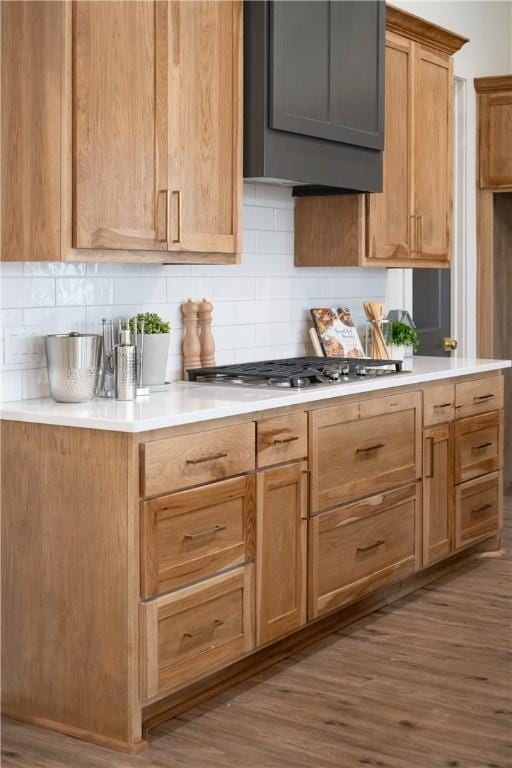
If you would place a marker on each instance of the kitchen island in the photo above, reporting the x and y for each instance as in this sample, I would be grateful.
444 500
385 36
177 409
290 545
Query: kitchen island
156 552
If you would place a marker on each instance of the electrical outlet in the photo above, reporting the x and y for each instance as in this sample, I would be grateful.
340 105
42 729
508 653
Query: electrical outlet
23 345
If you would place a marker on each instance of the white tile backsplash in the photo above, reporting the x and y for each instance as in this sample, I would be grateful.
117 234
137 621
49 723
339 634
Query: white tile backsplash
260 306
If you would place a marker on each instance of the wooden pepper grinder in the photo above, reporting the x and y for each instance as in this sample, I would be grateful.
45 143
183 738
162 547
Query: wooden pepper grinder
190 346
206 336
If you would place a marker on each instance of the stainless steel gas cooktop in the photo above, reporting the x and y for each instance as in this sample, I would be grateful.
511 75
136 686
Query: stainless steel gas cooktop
296 372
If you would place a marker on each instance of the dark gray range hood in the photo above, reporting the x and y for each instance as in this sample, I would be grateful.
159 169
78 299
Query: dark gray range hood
314 93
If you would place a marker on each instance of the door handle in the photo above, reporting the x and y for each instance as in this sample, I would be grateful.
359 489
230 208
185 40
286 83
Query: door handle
450 344
429 469
210 457
375 544
176 193
204 630
419 234
206 533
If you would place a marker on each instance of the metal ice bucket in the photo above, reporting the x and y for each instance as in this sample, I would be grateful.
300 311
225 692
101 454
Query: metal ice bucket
73 361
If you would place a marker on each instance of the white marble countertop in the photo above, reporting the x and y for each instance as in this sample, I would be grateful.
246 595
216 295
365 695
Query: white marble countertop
187 403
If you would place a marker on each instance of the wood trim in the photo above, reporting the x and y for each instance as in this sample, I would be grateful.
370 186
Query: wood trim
485 273
157 712
422 31
493 84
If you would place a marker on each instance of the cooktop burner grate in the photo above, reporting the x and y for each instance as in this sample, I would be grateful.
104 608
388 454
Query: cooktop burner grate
296 371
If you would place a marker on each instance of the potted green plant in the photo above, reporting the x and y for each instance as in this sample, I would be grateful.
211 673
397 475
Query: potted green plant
155 345
402 336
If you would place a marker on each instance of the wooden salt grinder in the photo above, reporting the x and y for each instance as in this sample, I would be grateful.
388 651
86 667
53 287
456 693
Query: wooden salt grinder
190 346
206 336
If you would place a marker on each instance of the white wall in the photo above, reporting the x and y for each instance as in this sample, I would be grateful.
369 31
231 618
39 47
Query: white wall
488 25
260 307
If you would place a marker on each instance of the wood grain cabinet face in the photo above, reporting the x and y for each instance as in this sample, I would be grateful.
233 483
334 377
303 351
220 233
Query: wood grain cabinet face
438 405
478 509
496 140
364 448
361 547
437 493
32 45
433 172
190 535
281 551
281 439
157 126
119 116
196 630
390 224
478 445
173 463
478 396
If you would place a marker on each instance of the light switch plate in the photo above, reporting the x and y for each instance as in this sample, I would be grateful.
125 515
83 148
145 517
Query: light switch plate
23 345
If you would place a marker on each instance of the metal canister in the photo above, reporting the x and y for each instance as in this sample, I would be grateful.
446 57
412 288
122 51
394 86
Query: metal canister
125 367
73 361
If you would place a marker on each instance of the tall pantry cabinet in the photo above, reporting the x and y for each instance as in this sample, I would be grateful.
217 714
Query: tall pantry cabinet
138 108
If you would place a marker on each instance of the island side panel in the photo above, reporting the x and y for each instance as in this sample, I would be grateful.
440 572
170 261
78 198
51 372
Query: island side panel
70 581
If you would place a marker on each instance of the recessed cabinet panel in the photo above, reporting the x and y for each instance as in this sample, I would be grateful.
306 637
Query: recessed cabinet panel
433 169
327 70
496 139
437 493
119 116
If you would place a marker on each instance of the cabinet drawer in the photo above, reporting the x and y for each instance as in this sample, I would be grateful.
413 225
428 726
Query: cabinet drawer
364 448
478 508
196 630
480 396
363 546
181 462
284 438
193 534
438 405
477 445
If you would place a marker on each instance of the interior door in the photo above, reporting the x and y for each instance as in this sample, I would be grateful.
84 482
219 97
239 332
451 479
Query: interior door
433 155
205 125
390 221
120 134
431 309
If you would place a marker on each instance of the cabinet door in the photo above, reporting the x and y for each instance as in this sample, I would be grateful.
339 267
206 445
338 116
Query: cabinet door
281 551
437 493
390 221
433 167
496 140
205 120
120 135
32 44
326 77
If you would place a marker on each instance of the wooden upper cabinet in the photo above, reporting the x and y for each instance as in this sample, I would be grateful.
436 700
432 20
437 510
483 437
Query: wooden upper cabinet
433 166
389 215
32 50
495 131
119 116
205 126
408 224
157 126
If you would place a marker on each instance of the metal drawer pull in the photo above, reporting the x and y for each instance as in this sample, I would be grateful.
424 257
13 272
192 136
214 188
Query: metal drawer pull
280 440
204 630
481 509
370 448
210 457
204 534
476 398
481 446
442 405
376 544
177 194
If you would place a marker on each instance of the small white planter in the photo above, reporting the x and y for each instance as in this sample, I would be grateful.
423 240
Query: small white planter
397 352
156 349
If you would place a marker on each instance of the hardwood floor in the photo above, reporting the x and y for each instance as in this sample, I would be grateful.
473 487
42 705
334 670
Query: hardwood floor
423 683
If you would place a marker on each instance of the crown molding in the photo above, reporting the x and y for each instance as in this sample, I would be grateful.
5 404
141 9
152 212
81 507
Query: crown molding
493 84
422 31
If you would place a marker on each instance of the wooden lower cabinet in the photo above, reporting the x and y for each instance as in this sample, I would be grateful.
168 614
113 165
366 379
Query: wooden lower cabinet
438 405
191 632
364 447
478 445
437 493
281 564
478 509
363 546
190 535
